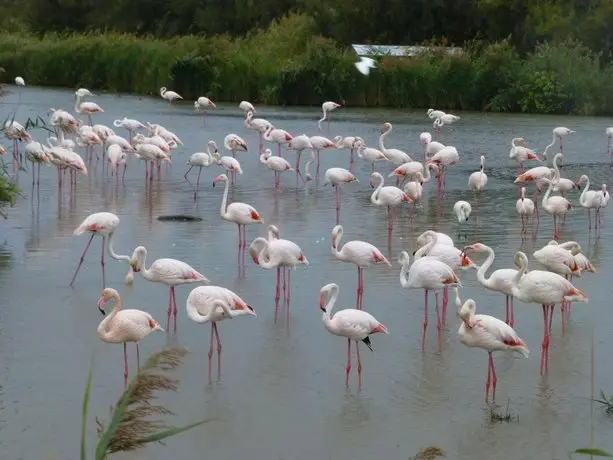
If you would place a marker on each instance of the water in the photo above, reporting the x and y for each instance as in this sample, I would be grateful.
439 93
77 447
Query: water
282 393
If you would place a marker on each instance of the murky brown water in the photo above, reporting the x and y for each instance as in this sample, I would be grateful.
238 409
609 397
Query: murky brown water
282 393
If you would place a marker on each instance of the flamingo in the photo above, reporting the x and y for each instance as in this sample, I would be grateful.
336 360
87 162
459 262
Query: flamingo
300 144
427 236
558 133
365 64
435 113
257 124
171 272
83 92
129 124
546 288
445 119
348 142
277 164
320 143
205 103
211 304
478 180
88 108
234 143
557 206
200 160
591 199
414 190
123 326
169 95
168 136
491 334
246 106
368 154
462 210
156 140
150 153
396 156
238 213
444 158
62 119
387 196
430 147
360 253
19 81
353 324
278 253
410 171
429 274
498 281
521 153
117 157
278 136
103 224
36 154
337 177
525 208
326 108
559 258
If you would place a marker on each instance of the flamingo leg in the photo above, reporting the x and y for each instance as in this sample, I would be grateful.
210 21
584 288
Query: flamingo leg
512 302
545 344
506 309
351 160
360 287
219 347
488 381
357 349
423 336
125 365
198 182
589 219
337 191
438 323
211 347
284 273
289 293
239 237
297 168
261 143
174 304
445 303
277 293
82 258
169 312
102 261
555 228
348 368
317 171
137 356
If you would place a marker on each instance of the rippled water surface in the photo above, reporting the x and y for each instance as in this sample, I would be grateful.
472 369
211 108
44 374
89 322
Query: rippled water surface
282 392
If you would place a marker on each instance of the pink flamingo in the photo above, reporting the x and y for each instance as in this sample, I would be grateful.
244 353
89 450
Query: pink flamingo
521 153
558 133
397 157
349 142
238 213
430 147
368 154
477 182
278 136
326 108
525 209
277 164
171 272
257 124
299 144
280 254
491 334
360 253
337 177
349 323
591 199
169 95
123 326
429 274
387 196
557 206
499 280
320 143
88 108
444 158
205 103
211 304
103 224
547 289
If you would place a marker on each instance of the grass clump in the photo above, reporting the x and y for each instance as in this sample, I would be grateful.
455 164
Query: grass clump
429 453
131 426
606 402
499 417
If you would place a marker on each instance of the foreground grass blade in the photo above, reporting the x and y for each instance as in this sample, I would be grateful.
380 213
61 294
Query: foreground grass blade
594 452
118 414
157 437
85 409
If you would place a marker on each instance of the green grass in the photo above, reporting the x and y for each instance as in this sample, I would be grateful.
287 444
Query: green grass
497 416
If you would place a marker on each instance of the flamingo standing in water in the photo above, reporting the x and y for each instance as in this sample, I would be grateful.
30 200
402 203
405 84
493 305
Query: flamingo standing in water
130 124
462 210
171 272
368 154
35 153
88 108
609 133
521 153
278 136
547 289
498 281
200 160
348 142
429 274
103 224
430 147
444 158
320 143
538 174
169 95
337 177
278 253
238 213
299 144
491 334
350 323
525 209
234 143
558 133
360 253
123 326
326 108
246 106
477 182
557 206
445 119
211 304
205 103
397 157
260 125
277 164
387 196
591 199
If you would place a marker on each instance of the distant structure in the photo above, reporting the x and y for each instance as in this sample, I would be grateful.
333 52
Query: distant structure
402 51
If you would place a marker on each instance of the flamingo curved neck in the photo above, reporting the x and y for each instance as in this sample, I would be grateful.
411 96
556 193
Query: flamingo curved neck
103 330
583 196
553 141
112 250
514 142
224 200
381 140
194 314
264 257
340 255
404 272
144 271
520 272
426 247
327 317
545 201
485 267
374 198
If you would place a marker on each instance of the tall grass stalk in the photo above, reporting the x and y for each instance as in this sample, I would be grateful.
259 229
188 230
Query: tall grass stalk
289 64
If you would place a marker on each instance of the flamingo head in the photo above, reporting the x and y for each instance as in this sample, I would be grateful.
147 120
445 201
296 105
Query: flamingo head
242 306
274 230
523 142
221 177
476 247
580 182
336 232
385 127
425 138
406 199
569 206
465 261
105 296
322 302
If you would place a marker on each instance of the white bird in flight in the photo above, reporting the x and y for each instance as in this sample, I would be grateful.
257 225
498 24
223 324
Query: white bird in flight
365 64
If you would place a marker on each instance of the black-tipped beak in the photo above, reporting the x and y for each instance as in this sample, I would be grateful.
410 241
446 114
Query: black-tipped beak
101 311
250 308
414 252
466 220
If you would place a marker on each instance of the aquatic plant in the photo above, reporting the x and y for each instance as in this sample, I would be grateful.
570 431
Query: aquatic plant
506 416
130 426
429 453
606 402
593 452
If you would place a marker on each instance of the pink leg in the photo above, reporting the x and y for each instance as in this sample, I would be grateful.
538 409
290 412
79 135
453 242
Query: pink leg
317 170
357 349
211 348
277 293
169 312
289 293
360 287
506 310
218 351
494 378
198 182
283 274
125 365
545 343
82 258
512 302
489 378
137 356
439 324
423 336
102 262
445 302
240 245
174 305
348 368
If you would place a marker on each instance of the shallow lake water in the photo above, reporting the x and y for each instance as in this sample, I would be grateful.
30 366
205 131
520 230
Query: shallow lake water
282 392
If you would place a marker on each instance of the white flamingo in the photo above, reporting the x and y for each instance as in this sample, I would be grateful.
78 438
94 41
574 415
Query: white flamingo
169 95
277 164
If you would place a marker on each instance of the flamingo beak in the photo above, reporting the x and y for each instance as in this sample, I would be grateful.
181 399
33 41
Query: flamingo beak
100 304
134 265
254 256
322 304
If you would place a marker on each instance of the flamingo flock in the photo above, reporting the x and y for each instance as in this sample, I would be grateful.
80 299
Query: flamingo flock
437 266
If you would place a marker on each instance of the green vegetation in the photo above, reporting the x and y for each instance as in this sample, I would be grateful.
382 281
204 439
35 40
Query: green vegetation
551 56
606 402
131 427
8 188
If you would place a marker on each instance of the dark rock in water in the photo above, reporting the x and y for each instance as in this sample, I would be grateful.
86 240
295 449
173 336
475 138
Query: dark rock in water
179 218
